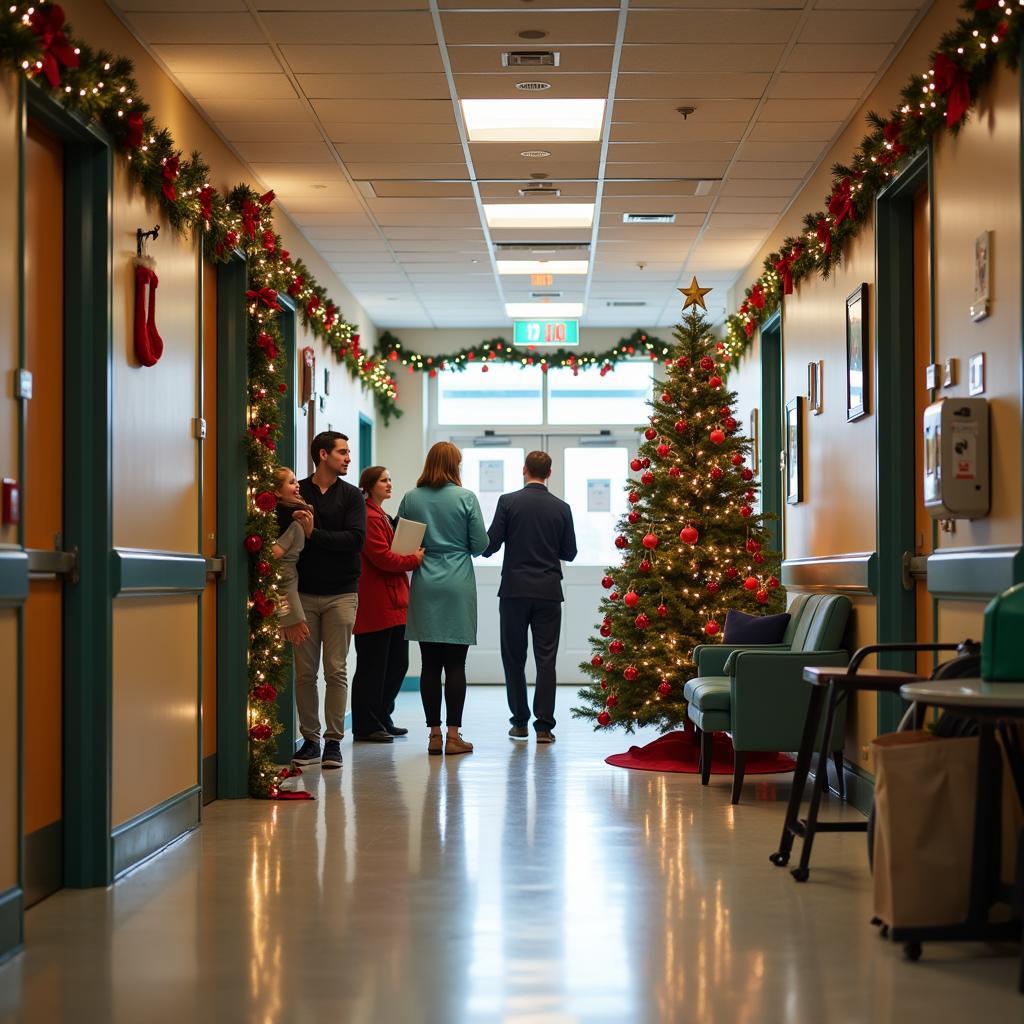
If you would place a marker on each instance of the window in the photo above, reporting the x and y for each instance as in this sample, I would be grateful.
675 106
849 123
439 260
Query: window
620 396
504 394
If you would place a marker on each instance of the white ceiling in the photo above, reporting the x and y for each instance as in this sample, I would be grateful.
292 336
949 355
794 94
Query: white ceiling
369 156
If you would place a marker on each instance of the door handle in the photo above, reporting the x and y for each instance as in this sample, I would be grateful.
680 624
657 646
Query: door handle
49 565
913 567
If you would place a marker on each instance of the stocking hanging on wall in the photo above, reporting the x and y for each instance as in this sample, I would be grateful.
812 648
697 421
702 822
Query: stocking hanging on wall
149 346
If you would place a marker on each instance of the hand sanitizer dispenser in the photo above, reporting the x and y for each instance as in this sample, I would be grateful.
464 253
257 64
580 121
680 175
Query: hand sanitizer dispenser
956 458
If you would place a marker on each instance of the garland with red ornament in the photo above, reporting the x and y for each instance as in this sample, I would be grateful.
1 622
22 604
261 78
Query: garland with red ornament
937 100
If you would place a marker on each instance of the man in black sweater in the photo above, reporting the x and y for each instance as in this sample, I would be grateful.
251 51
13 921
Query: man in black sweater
328 570
537 531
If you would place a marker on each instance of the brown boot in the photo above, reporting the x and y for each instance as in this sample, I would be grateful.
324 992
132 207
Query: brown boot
435 743
457 745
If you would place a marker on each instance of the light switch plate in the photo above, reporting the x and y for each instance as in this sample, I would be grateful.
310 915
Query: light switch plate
949 373
23 384
931 376
976 374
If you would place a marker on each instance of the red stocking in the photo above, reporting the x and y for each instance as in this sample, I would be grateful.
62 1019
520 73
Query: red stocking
149 346
156 343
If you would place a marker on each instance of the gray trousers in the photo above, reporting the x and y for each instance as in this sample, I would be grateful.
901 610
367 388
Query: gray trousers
330 618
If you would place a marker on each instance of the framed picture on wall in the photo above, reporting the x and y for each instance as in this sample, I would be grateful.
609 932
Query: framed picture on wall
755 440
794 452
857 353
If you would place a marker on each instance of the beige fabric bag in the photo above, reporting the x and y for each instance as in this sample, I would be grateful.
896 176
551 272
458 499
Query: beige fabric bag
925 792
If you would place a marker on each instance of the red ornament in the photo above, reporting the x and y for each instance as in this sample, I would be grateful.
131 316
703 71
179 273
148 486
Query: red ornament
615 647
746 511
750 583
597 661
666 397
604 684
753 545
714 587
641 621
737 459
266 501
635 465
630 673
605 630
714 383
612 700
633 497
724 411
664 687
621 542
650 433
644 566
603 718
282 387
263 605
747 474
711 628
759 558
716 473
662 610
647 479
663 450
689 535
732 572
632 599
650 541
675 472
634 516
773 582
645 462
680 426
750 495
253 543
262 568
261 732
607 582
683 362
613 596
484 368
762 597
707 363
730 424
265 692
716 436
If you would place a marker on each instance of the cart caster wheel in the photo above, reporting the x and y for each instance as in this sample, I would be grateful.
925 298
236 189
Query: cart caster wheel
780 860
801 874
912 951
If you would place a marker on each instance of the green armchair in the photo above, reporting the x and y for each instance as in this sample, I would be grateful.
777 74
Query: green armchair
757 694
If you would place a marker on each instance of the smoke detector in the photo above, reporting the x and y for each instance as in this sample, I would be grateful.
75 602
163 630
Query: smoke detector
530 59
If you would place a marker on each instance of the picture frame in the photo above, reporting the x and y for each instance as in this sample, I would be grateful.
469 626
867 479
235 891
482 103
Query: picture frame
755 439
815 384
982 276
857 353
794 442
308 374
327 381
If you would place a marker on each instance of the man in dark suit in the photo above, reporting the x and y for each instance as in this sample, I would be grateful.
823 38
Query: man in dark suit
536 529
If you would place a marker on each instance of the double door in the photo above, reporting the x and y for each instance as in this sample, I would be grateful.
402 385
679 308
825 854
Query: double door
589 471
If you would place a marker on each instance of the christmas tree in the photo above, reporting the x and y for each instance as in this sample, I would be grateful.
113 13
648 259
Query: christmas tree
693 545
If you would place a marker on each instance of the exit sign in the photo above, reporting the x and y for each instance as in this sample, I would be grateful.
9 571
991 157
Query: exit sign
546 332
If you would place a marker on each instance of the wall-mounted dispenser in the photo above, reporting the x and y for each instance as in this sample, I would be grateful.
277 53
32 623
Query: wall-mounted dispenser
956 459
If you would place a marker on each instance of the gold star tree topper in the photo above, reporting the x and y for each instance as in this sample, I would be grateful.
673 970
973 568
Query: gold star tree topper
695 295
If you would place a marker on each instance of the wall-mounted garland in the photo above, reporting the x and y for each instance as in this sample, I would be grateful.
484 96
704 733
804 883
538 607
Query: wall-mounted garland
935 101
391 351
97 86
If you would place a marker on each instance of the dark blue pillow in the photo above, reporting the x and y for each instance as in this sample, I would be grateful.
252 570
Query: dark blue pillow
741 628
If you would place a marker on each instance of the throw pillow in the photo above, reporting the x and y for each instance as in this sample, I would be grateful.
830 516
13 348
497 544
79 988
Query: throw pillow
741 628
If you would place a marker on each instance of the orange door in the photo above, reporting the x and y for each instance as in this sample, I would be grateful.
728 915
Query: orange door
209 536
43 515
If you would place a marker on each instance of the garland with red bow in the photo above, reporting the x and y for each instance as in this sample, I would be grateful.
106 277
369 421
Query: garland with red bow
935 101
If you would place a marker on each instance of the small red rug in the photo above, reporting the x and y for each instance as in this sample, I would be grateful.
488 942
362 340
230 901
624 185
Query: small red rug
677 752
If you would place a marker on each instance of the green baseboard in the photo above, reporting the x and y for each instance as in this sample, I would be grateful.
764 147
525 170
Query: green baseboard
411 683
209 779
148 833
12 935
44 863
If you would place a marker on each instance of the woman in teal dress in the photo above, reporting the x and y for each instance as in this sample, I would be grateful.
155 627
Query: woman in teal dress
442 599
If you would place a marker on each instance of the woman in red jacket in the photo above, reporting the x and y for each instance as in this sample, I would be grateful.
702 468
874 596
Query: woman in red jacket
382 653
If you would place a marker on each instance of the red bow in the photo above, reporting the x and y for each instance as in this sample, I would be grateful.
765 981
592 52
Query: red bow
267 198
953 82
267 296
296 286
206 204
266 342
757 296
824 235
250 218
745 307
269 241
749 328
170 175
136 130
262 434
784 267
284 254
840 203
330 315
47 22
355 344
231 238
313 305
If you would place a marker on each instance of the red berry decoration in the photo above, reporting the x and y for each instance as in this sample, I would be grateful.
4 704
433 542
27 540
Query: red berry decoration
680 426
675 472
635 465
605 630
666 397
621 542
714 383
746 511
650 433
597 661
747 474
634 516
265 692
689 535
732 572
750 583
737 459
604 684
613 596
647 479
615 647
707 363
262 568
645 462
664 687
253 543
662 610
762 597
753 545
641 621
650 541
759 558
633 497
630 672
716 436
604 718
716 473
773 582
607 582
632 599
644 566
663 450
711 628
266 501
714 587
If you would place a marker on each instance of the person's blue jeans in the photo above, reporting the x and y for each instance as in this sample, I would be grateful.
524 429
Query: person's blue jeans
542 619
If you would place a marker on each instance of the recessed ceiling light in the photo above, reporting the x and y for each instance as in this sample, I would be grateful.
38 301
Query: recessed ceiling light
542 266
533 86
523 120
536 154
521 215
543 310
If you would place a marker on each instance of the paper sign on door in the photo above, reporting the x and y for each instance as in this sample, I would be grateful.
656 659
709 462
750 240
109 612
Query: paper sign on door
599 495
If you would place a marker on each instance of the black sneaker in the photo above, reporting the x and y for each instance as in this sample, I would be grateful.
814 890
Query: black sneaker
519 732
380 736
332 755
397 730
308 753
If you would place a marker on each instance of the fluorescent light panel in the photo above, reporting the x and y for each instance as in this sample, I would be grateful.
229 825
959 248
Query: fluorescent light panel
533 120
527 215
542 266
543 310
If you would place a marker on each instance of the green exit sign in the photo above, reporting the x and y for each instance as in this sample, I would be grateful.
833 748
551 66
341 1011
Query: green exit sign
546 332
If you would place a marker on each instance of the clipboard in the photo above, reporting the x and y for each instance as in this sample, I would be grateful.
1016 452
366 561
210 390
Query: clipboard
408 537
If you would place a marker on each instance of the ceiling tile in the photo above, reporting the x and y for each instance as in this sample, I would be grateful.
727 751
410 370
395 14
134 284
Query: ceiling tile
241 110
384 170
875 26
361 152
760 187
794 131
635 152
834 85
376 87
842 56
712 26
487 59
500 28
685 87
212 27
245 59
808 110
391 133
330 58
665 110
385 111
298 152
503 86
762 169
700 57
791 151
259 131
361 28
689 132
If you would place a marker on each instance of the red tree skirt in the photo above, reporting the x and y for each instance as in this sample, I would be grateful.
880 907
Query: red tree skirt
677 752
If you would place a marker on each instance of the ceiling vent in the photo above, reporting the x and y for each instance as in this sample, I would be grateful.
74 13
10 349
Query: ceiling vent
618 303
541 247
530 59
533 86
545 295
648 218
532 191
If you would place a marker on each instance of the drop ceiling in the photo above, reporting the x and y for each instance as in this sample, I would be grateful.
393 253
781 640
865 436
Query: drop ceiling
348 109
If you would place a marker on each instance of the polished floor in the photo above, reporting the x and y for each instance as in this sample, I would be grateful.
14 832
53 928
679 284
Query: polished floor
517 884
